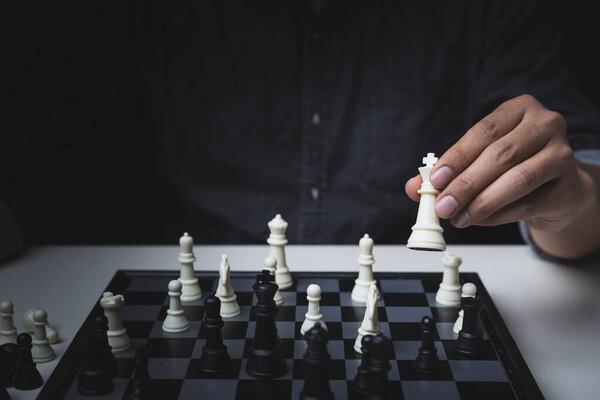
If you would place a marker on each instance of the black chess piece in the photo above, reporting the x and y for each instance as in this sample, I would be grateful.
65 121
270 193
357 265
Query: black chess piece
214 359
8 362
94 378
140 389
5 381
316 363
361 380
26 376
266 355
100 326
379 366
427 360
470 340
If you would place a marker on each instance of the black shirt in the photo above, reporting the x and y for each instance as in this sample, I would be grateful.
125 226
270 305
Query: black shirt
261 107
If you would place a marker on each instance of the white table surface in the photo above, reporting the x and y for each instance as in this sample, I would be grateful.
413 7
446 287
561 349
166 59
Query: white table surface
552 311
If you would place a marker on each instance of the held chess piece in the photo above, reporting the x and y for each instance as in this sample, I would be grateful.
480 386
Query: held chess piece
271 265
26 376
94 378
266 354
379 366
277 242
468 290
41 351
8 332
28 325
470 340
190 289
214 359
117 334
427 232
316 366
175 321
313 316
100 327
427 360
370 324
229 305
139 389
365 273
361 380
449 292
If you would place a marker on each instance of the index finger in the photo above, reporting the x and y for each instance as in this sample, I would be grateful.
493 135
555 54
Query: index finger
489 129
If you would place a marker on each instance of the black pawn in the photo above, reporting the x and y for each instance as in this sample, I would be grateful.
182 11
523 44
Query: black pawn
27 376
100 324
94 379
139 387
361 380
470 340
8 362
316 366
427 360
5 380
214 359
379 366
266 354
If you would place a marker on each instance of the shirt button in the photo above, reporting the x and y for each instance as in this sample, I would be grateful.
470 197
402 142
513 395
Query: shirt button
314 193
316 119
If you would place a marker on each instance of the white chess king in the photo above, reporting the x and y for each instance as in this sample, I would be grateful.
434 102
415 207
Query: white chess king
427 232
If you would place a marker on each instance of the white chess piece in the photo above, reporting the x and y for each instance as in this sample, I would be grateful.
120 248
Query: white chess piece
117 334
277 242
313 315
229 305
449 292
190 287
271 265
427 232
175 321
468 290
8 332
370 324
51 333
365 278
41 351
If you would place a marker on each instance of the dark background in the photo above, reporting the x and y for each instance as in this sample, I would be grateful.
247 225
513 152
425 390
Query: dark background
76 154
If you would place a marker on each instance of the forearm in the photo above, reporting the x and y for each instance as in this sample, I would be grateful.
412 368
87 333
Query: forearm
582 235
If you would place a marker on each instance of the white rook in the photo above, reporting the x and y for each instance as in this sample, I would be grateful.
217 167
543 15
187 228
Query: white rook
449 292
277 242
117 334
8 332
365 278
190 287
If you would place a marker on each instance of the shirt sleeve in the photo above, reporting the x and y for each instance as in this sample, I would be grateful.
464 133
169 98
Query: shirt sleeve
11 239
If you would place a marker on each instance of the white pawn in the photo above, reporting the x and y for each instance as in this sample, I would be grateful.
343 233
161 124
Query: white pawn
8 332
271 265
468 290
229 305
190 287
51 333
365 278
175 321
117 334
277 242
370 324
313 315
427 232
41 351
449 292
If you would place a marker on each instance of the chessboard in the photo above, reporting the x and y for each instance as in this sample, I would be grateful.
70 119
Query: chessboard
499 373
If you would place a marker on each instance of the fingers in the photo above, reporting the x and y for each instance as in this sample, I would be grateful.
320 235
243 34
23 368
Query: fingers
491 128
519 181
411 187
499 157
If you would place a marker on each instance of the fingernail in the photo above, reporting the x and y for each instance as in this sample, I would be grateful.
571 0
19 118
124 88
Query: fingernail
446 206
462 219
441 177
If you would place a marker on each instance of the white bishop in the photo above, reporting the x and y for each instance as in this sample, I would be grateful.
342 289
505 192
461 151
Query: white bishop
190 289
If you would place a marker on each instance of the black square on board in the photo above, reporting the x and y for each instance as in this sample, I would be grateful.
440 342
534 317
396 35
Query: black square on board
405 299
245 298
138 329
170 348
408 331
346 285
357 314
264 389
431 285
408 373
231 330
163 389
445 314
336 369
194 372
450 350
193 313
327 299
145 298
125 367
485 390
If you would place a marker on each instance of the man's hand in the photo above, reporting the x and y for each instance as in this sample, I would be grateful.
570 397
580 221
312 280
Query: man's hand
515 164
